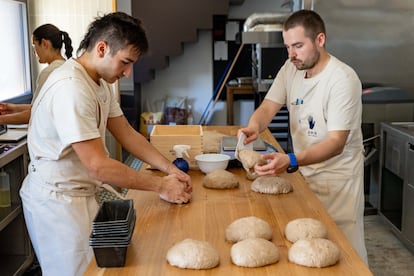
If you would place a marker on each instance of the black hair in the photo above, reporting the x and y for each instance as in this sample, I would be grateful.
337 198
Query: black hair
117 29
55 36
310 20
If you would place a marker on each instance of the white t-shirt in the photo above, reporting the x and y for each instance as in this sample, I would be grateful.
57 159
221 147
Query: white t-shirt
329 101
70 108
44 74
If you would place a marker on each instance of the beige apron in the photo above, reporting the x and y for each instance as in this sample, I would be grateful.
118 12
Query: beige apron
50 197
340 190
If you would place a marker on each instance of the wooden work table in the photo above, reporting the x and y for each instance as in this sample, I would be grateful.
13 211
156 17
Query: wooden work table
160 224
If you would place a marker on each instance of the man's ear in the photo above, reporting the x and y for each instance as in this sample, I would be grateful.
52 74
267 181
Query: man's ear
102 48
320 39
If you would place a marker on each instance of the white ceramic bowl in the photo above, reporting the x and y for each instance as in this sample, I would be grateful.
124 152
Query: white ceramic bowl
209 162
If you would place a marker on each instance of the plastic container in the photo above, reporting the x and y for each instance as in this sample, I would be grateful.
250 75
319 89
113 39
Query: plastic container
5 199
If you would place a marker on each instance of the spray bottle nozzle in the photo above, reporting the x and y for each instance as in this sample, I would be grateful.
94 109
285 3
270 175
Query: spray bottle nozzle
180 150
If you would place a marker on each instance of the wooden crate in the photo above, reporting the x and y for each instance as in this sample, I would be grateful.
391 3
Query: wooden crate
164 137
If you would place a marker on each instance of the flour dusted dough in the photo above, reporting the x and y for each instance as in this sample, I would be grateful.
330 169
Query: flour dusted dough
254 252
305 228
314 253
193 254
249 158
271 185
248 227
220 179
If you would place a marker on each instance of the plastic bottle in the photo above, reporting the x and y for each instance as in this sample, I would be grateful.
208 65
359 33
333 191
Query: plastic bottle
5 200
180 162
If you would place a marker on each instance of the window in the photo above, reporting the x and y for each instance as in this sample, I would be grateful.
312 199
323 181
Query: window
15 77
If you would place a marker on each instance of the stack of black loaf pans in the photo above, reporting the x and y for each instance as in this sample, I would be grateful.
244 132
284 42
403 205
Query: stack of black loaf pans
112 230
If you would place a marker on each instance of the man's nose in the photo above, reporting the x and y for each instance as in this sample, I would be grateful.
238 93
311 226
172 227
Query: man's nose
127 72
291 53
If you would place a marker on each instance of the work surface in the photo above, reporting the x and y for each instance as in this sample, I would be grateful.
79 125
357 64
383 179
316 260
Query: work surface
160 224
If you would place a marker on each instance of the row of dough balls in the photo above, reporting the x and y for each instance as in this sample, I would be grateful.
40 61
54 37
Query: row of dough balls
252 247
310 244
222 179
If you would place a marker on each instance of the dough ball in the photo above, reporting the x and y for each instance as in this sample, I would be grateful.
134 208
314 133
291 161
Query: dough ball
249 158
271 185
212 141
314 253
193 254
254 252
248 227
220 179
305 228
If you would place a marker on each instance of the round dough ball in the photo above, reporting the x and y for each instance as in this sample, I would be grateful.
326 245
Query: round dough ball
193 254
271 185
254 252
305 228
314 253
248 227
220 179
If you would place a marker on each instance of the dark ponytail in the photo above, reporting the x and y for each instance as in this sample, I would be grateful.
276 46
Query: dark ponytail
68 44
55 36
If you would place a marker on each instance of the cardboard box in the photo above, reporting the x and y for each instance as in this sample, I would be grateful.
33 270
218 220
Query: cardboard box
164 137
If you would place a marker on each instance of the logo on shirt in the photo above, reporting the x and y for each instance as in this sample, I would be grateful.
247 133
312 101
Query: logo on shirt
311 123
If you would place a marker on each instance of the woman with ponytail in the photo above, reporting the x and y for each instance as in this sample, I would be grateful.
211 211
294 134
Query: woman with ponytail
47 42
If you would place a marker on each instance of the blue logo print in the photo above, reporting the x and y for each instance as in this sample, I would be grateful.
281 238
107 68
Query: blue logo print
311 122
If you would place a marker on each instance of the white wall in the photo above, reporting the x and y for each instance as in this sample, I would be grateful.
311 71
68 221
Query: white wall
72 16
191 74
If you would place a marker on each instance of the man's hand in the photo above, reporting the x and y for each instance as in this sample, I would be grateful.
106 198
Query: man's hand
277 163
175 191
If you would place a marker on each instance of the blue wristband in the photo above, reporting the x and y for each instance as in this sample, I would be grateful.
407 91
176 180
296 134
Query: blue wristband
293 167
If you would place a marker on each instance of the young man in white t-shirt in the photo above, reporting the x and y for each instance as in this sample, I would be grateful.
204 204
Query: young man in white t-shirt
66 141
323 96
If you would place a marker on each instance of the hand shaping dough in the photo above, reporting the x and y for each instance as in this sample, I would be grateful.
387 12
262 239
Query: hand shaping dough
249 158
248 227
314 253
254 252
193 254
271 185
220 179
305 228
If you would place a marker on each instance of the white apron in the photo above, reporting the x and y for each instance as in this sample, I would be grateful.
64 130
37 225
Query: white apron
59 208
337 182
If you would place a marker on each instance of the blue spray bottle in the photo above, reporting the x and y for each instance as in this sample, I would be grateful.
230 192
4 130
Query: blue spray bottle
180 162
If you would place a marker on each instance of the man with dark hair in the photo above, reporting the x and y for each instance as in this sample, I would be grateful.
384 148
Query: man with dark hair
66 141
323 96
